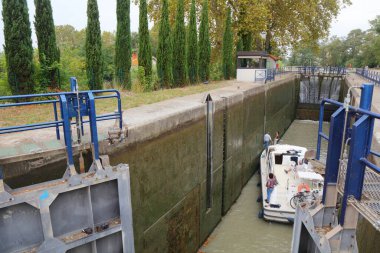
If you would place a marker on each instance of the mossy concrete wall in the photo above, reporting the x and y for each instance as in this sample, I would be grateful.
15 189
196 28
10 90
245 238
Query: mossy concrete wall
167 153
168 173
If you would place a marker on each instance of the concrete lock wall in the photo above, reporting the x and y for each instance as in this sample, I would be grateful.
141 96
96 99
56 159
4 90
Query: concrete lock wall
167 155
169 176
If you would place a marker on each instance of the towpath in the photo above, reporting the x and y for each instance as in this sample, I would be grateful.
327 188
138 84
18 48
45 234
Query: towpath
16 146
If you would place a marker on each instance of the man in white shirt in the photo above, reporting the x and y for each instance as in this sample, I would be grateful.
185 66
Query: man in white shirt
267 141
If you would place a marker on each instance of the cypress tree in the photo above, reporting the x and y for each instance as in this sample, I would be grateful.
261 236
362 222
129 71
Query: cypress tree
145 48
204 45
227 48
164 52
47 47
18 46
123 52
247 40
94 59
192 46
179 46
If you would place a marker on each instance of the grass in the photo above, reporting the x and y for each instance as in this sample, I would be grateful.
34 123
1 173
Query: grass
43 113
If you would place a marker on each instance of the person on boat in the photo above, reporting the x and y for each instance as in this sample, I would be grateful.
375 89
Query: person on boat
271 183
267 141
277 138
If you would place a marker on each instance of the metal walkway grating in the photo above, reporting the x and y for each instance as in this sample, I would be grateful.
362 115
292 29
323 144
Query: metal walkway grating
369 205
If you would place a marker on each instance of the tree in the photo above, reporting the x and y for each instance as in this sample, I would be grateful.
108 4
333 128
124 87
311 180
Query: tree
179 47
228 48
94 60
287 22
204 45
123 51
305 22
192 46
109 54
375 24
48 51
18 46
164 52
145 48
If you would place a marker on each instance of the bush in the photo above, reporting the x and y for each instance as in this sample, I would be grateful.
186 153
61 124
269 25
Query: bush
216 73
141 83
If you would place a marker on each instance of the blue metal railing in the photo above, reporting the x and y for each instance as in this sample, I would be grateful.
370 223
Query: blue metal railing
315 70
70 108
57 123
359 134
371 75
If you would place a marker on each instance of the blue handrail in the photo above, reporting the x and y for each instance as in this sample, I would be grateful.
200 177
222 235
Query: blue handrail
371 75
68 104
57 123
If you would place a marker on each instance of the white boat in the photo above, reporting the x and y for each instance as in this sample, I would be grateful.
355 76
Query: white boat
295 177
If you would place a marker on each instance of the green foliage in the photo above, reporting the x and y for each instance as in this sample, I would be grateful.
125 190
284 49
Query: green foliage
18 46
48 51
143 82
153 34
228 44
215 71
247 39
164 52
4 87
123 55
71 44
204 45
94 59
192 46
179 47
108 53
145 48
358 49
375 24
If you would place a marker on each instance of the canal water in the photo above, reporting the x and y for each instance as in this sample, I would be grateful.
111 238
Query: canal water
241 230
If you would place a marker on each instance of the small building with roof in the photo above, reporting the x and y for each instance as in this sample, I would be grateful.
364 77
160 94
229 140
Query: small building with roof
253 65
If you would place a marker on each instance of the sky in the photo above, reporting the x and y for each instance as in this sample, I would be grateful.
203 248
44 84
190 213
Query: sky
73 12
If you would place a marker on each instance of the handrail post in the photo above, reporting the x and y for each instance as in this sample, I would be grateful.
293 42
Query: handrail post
366 96
93 126
320 129
56 119
67 132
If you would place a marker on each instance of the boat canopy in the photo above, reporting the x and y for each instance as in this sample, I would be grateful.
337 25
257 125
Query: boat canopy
309 176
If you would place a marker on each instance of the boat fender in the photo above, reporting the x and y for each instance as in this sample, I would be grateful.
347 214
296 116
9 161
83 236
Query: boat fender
303 188
259 199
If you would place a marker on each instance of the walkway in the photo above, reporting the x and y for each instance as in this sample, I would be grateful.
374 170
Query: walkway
243 232
17 146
